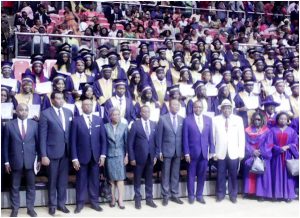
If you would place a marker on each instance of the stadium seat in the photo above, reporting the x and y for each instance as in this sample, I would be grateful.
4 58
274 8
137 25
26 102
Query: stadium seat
106 25
20 66
119 27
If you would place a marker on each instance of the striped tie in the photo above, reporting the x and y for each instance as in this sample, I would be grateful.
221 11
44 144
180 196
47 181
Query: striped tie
90 124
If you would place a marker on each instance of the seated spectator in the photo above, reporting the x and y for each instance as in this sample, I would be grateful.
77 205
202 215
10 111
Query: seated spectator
42 16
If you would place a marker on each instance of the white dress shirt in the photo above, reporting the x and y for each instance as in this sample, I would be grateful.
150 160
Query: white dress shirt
62 115
20 125
86 119
144 122
199 121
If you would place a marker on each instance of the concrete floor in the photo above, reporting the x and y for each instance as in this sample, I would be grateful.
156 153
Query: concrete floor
243 208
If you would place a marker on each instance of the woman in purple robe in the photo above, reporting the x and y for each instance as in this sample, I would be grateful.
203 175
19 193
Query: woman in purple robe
258 144
285 146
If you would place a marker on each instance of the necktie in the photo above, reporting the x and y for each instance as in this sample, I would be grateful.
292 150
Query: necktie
174 124
23 130
90 124
226 124
120 102
147 129
60 116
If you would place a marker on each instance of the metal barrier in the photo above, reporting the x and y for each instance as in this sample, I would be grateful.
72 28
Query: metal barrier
99 37
202 9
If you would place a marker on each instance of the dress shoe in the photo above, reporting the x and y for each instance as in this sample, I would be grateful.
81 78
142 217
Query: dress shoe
150 203
111 204
201 200
14 213
176 200
137 205
219 199
165 201
288 200
260 199
232 199
52 211
31 213
191 200
96 207
63 209
122 207
78 208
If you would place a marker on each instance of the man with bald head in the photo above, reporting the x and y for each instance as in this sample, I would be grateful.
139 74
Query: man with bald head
20 150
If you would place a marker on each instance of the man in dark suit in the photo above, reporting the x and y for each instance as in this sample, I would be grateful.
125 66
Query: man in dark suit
143 155
20 150
88 149
41 15
197 145
54 134
169 141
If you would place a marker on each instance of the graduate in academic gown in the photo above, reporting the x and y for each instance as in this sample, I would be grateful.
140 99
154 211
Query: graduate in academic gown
102 60
173 92
91 68
144 68
159 84
269 112
27 95
103 87
195 69
146 94
223 93
37 69
246 102
285 146
64 63
7 73
134 84
125 59
120 101
259 143
175 69
266 84
88 93
294 99
117 71
200 94
204 54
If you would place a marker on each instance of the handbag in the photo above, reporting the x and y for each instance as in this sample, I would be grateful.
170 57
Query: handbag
293 166
258 166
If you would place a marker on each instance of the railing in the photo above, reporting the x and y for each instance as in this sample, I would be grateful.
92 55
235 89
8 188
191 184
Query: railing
201 9
101 37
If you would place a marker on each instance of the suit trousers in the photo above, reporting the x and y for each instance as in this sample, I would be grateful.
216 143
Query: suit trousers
15 188
197 167
58 181
170 177
87 182
229 166
147 170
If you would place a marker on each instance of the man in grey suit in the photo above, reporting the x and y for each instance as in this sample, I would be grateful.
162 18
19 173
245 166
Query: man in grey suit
20 150
169 141
54 131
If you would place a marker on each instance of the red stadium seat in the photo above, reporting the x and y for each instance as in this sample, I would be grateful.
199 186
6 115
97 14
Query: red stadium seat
106 25
103 19
119 27
20 66
101 16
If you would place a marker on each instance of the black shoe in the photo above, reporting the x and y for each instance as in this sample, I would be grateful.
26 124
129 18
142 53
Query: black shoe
121 207
78 208
96 207
63 209
150 203
191 200
112 204
14 213
176 200
288 200
201 200
219 199
137 205
165 201
31 213
232 199
52 211
260 199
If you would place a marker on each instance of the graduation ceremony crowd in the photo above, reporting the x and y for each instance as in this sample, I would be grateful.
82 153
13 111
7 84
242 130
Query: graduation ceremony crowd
211 90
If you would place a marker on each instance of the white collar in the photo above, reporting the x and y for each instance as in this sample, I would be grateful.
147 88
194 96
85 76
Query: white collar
20 121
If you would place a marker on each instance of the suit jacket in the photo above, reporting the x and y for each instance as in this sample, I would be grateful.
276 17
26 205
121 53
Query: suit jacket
46 19
139 147
18 152
233 140
193 141
168 141
53 139
84 146
116 142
